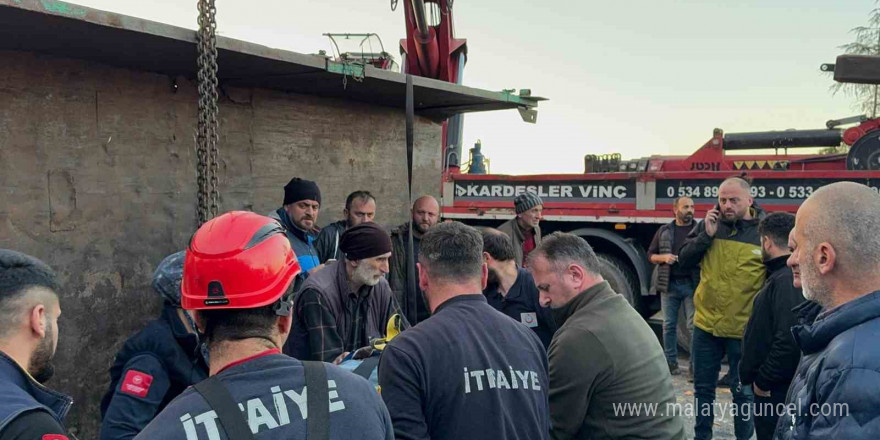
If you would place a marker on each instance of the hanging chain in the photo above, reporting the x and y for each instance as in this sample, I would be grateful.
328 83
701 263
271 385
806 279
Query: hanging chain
206 139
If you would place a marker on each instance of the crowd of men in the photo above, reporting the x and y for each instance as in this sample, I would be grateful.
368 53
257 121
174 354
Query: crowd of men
275 329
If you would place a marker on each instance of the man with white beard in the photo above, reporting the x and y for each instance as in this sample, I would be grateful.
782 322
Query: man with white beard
836 260
344 306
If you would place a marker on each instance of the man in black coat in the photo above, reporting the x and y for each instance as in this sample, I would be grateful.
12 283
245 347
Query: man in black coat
769 354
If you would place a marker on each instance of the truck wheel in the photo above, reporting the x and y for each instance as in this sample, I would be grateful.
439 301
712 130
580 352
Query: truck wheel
621 279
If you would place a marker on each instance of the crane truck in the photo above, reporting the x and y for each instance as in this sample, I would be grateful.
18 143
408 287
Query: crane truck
617 205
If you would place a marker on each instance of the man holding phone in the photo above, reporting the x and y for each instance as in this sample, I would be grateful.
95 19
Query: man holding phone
727 246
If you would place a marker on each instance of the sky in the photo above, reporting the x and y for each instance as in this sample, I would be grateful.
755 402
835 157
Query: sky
635 77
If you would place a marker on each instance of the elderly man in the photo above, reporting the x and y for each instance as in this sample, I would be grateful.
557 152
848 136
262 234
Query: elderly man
727 246
343 307
29 311
360 207
836 260
299 216
425 214
604 360
524 229
469 372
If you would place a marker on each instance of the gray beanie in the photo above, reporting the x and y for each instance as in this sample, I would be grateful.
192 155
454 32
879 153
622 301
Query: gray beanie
526 201
169 274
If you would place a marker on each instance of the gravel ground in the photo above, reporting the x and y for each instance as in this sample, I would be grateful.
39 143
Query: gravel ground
685 397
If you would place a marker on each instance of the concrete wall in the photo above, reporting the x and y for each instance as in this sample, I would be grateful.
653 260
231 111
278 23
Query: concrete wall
97 178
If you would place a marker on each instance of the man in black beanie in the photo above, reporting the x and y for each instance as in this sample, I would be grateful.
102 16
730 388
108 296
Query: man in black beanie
343 307
299 214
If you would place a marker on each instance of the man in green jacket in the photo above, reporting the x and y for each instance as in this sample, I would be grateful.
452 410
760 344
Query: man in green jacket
608 374
727 246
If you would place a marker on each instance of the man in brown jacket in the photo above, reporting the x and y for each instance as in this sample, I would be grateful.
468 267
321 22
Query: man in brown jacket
524 229
608 374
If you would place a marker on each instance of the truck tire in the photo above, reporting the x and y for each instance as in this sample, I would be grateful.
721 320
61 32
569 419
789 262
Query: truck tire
621 278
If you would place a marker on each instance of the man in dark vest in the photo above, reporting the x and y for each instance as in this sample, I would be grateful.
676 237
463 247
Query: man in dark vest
344 306
155 365
238 278
29 311
673 283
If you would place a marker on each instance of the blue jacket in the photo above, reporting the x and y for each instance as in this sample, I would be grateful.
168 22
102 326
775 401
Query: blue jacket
167 359
302 242
836 390
20 393
270 390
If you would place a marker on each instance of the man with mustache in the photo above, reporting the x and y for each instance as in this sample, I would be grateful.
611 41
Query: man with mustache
425 215
727 246
360 207
341 308
835 259
299 216
674 283
29 311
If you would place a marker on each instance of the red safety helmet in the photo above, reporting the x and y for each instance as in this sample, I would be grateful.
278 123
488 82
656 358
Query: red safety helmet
239 260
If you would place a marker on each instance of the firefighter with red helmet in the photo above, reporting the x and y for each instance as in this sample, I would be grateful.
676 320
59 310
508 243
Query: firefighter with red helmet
238 280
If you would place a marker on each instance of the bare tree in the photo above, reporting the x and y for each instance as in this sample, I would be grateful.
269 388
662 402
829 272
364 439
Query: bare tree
866 97
867 42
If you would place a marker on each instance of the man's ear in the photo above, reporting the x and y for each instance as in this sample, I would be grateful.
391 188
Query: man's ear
37 320
424 284
283 327
485 279
199 319
576 273
825 257
486 257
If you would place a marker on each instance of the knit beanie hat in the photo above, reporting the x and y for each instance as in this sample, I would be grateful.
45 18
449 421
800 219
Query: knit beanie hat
526 201
300 189
366 240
